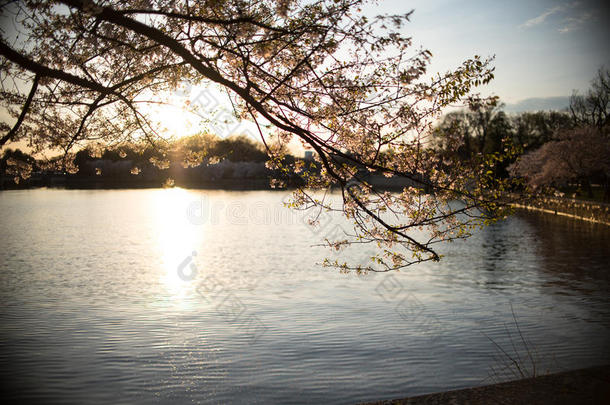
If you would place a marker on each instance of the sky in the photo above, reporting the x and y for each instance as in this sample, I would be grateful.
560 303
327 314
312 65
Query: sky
544 49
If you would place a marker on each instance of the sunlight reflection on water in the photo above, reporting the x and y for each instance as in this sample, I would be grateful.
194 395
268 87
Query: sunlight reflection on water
94 308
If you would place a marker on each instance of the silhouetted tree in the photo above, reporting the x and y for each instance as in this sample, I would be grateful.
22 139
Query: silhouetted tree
17 164
593 108
533 129
238 149
347 86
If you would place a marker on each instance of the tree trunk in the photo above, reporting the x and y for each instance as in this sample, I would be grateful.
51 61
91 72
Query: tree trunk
586 183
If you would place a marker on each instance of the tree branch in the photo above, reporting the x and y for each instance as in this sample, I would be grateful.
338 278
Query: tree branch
24 110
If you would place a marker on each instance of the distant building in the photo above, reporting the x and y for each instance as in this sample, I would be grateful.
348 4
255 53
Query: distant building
309 155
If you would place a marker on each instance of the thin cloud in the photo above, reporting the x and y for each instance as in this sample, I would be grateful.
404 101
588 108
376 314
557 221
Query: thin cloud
574 23
532 22
540 19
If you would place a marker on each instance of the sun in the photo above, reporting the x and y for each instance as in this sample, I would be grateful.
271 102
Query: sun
175 121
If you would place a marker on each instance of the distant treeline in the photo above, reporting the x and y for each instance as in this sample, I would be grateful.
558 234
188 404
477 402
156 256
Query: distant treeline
566 150
200 160
551 150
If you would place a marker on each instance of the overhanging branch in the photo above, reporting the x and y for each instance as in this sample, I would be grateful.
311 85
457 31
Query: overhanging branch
26 106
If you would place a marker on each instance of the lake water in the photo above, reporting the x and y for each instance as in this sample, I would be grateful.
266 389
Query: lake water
103 301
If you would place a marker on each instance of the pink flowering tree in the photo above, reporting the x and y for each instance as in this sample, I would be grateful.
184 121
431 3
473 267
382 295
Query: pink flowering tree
575 155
